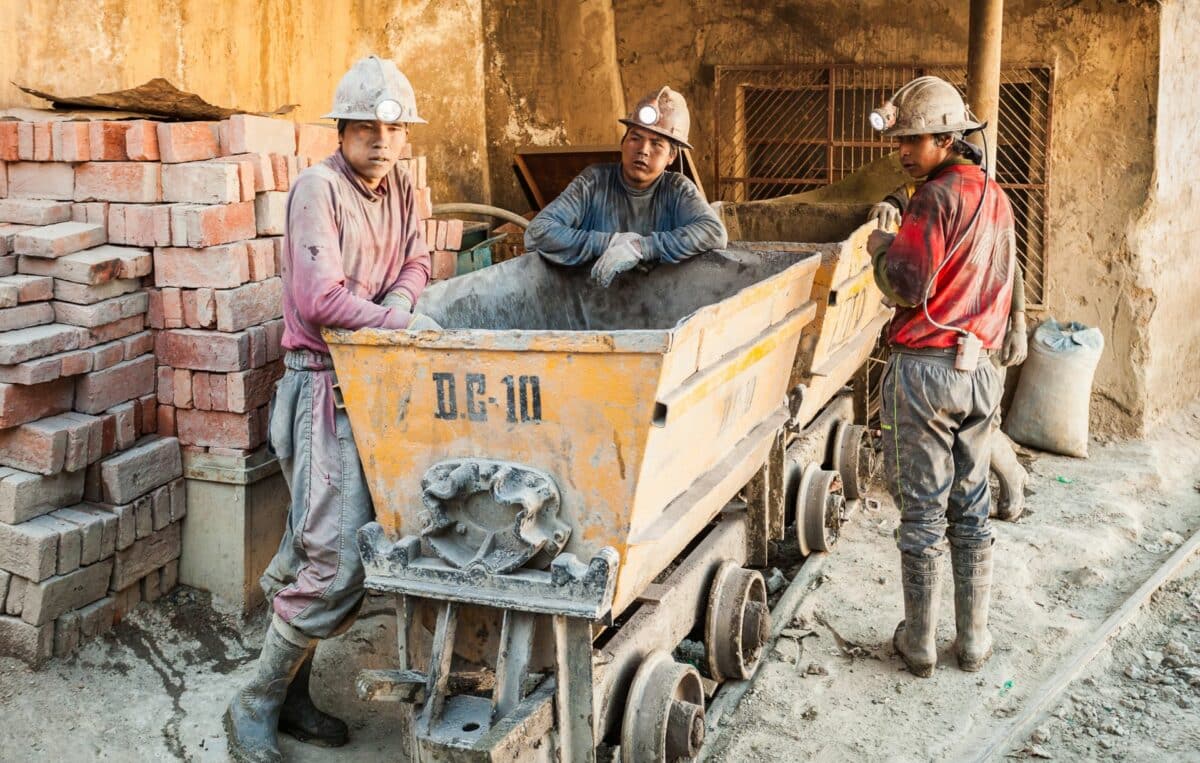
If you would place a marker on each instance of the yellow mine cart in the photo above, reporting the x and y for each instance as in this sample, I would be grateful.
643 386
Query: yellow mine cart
569 481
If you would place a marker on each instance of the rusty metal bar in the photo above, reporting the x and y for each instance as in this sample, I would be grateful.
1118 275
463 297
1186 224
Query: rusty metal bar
983 70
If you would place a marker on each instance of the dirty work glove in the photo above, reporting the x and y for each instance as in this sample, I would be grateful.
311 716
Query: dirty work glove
878 241
1016 342
399 300
422 322
623 253
886 215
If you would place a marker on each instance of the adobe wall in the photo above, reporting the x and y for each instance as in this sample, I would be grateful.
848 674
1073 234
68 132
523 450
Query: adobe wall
258 56
1101 152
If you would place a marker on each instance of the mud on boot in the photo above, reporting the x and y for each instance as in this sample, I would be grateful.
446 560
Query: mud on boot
301 719
914 638
253 715
972 564
1011 476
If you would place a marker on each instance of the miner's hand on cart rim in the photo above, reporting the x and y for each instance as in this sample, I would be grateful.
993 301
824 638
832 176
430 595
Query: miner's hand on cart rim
623 253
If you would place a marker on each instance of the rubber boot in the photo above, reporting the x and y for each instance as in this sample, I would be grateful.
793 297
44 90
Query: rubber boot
914 638
302 719
253 715
1011 476
972 595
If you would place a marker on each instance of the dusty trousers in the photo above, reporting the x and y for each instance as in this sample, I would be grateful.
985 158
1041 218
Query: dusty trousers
937 426
315 581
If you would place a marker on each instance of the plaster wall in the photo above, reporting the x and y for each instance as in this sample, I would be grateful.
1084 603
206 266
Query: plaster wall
1168 234
1101 152
551 79
257 56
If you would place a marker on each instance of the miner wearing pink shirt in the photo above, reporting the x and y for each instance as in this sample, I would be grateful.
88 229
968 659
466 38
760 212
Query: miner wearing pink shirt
354 257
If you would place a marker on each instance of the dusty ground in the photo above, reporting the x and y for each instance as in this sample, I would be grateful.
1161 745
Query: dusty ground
154 690
1141 701
1094 531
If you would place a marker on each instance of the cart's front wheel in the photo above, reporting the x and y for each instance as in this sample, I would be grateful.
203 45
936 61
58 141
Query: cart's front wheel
737 622
664 712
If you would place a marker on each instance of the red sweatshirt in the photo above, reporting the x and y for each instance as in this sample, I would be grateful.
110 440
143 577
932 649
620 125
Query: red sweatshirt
974 290
347 247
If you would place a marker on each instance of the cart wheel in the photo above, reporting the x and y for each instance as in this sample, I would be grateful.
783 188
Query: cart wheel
850 461
664 712
737 622
820 504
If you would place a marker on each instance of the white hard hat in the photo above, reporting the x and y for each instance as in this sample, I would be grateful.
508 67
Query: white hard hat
926 105
374 89
665 112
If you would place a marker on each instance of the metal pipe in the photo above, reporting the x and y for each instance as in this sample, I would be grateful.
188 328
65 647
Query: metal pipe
983 70
469 208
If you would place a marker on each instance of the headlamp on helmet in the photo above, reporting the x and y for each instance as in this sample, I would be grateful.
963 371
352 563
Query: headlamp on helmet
388 110
648 114
883 117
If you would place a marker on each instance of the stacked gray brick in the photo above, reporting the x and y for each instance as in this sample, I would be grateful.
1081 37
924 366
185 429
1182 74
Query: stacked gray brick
91 499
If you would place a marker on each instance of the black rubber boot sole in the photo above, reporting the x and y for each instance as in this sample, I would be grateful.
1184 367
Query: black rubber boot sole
300 735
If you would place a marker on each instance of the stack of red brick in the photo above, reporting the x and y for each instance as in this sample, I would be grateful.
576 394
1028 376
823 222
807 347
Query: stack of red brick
90 497
108 228
444 238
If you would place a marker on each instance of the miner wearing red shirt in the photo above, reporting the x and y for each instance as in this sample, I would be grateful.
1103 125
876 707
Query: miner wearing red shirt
949 271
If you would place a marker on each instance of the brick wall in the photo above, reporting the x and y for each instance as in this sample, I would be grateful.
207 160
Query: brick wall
140 315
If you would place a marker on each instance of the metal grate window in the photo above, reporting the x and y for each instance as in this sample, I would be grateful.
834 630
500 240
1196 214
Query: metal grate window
788 129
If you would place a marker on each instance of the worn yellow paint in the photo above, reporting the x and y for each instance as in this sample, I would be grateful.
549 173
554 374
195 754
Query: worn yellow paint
618 468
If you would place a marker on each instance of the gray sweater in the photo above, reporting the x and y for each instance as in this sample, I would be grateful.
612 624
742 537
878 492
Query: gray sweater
674 220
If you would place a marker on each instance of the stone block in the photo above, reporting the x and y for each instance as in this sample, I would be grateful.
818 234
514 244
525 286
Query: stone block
270 213
130 182
47 599
29 549
218 267
41 180
107 141
89 294
93 266
38 341
20 289
135 472
187 141
220 429
66 634
249 305
141 141
96 618
100 390
31 644
70 142
195 225
101 313
34 211
145 556
20 404
202 183
203 350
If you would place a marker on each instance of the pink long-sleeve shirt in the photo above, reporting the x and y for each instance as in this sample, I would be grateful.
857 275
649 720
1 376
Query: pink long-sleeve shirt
347 247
